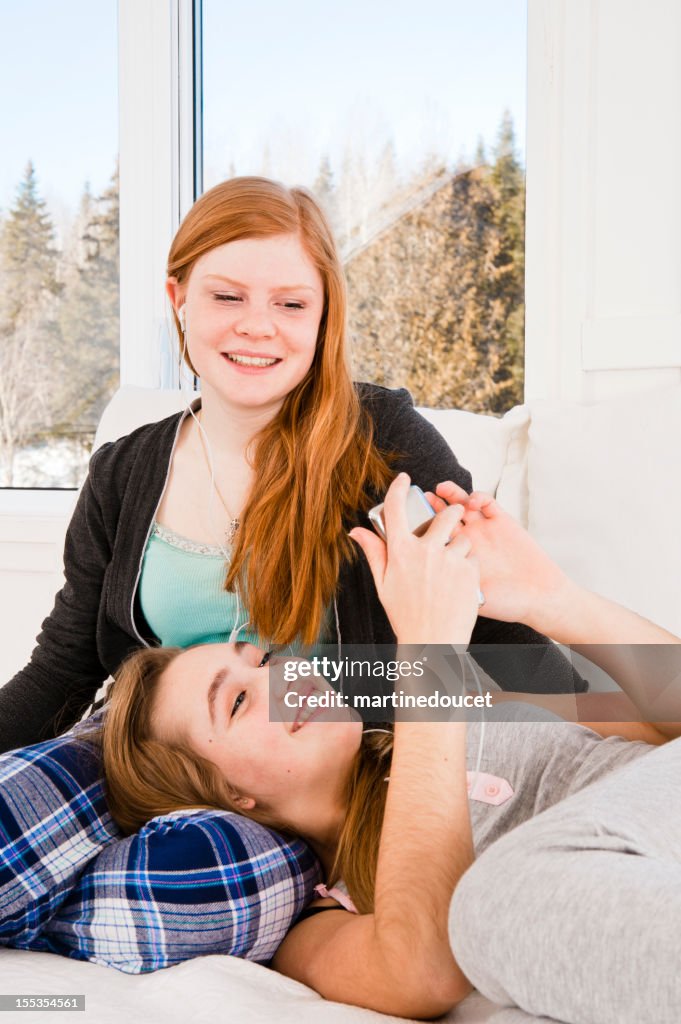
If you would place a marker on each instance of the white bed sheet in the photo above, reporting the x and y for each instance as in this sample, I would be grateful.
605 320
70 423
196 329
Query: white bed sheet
215 989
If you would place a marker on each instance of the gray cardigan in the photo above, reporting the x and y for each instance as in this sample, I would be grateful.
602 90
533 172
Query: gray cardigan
96 620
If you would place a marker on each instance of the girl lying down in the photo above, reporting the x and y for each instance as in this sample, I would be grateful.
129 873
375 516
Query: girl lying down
555 886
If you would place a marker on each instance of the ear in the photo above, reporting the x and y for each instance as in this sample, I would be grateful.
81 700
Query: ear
246 803
175 292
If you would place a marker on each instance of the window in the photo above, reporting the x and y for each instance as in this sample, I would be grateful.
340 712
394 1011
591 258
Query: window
59 272
408 124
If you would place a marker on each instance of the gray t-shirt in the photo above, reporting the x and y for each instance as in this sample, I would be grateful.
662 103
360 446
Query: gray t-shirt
544 759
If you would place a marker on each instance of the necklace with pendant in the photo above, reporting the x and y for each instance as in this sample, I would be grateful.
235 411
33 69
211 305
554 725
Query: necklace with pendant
234 521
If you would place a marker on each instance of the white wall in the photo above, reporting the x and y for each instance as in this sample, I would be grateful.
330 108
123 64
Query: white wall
603 284
30 571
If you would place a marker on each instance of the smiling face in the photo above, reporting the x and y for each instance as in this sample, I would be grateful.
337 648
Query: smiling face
216 699
252 311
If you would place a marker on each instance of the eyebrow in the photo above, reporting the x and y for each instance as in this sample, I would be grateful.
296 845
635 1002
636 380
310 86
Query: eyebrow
220 677
279 288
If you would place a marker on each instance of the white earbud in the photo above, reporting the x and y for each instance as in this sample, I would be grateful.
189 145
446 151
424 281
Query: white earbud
182 319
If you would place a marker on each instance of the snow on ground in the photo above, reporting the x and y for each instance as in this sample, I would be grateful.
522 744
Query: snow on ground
56 463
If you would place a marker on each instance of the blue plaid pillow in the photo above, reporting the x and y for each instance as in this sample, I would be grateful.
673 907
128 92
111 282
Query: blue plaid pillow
53 820
188 884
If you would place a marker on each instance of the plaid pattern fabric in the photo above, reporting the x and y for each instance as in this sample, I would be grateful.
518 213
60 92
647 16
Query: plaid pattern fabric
189 884
53 820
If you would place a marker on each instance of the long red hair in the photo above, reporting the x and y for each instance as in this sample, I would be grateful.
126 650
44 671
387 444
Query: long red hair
315 461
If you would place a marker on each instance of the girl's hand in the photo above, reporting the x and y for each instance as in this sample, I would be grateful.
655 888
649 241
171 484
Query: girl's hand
517 577
427 585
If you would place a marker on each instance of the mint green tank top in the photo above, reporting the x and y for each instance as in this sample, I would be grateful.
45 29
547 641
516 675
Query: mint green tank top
183 598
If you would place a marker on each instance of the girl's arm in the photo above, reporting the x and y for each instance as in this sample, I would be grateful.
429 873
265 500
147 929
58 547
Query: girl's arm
519 580
643 658
610 713
398 959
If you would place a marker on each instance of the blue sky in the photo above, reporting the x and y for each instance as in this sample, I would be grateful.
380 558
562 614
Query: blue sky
58 82
302 76
306 76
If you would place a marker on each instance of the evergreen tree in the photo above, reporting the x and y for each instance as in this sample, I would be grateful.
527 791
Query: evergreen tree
29 253
89 316
28 331
507 173
507 282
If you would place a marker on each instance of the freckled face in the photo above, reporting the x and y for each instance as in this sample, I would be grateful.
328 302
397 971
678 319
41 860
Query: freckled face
252 309
217 697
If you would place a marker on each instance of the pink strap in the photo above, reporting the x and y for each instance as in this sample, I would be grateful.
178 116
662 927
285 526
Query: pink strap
338 895
488 789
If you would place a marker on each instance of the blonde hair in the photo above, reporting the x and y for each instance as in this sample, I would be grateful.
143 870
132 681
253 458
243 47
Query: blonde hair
145 777
315 461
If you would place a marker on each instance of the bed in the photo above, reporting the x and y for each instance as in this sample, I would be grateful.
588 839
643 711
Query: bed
210 988
525 457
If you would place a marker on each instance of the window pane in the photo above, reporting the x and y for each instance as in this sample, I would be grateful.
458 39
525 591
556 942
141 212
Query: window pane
59 333
408 123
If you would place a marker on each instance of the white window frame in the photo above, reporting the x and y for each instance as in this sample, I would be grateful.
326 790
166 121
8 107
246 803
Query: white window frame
160 174
160 168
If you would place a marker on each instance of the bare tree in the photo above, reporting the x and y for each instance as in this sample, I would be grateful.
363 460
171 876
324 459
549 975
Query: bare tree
24 391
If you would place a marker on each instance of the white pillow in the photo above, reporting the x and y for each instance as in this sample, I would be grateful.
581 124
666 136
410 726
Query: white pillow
605 496
130 408
512 492
479 442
